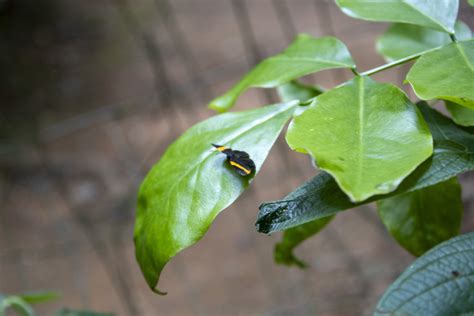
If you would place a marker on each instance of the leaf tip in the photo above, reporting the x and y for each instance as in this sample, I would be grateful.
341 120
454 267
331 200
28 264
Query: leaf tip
155 290
222 103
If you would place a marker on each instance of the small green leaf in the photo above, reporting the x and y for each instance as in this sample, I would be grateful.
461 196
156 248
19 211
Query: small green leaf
321 196
422 219
368 135
446 73
437 15
403 40
461 114
192 183
439 283
304 56
69 312
40 297
292 237
295 90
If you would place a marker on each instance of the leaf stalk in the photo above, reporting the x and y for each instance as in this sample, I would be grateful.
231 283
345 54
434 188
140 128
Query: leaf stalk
395 63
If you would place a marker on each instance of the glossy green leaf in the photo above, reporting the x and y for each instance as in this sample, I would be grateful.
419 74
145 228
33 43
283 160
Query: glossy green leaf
69 312
439 283
16 303
461 114
368 135
446 73
304 56
403 40
438 15
293 237
321 196
422 219
192 183
295 90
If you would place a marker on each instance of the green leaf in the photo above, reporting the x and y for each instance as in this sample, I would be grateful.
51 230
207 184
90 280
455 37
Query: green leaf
321 196
461 114
192 183
446 73
39 297
292 237
304 56
437 15
295 90
441 282
368 135
17 303
422 219
403 40
471 2
69 312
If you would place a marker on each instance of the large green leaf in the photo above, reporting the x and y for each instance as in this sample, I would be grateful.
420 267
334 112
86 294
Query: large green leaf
439 283
403 40
461 114
368 135
304 56
422 219
446 73
438 15
321 196
192 183
292 237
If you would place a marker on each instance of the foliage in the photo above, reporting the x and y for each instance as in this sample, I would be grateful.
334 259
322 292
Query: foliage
406 218
22 304
402 40
431 76
349 134
437 15
369 140
304 56
183 193
461 115
441 282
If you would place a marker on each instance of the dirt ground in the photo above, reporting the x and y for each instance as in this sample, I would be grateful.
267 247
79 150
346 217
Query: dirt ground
96 90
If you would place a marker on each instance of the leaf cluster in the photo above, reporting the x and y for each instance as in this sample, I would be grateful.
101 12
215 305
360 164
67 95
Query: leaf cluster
369 141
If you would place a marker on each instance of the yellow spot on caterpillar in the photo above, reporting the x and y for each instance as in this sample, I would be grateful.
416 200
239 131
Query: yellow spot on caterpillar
247 171
221 148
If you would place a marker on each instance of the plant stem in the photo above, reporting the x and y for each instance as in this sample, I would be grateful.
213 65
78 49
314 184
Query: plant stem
355 72
453 38
396 63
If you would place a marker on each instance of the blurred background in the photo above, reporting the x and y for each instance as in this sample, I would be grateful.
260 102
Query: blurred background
91 94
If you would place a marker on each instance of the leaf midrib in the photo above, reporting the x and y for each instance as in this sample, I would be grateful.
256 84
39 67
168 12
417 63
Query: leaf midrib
361 130
229 139
308 59
463 55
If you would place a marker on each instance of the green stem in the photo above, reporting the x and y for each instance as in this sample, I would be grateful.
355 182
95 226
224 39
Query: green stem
453 38
396 63
355 72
